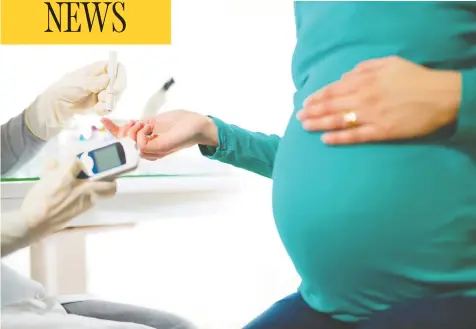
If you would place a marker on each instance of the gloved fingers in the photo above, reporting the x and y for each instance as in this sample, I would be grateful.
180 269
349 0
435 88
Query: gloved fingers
94 69
118 88
94 85
65 170
100 109
105 189
97 189
52 165
102 96
77 86
59 180
73 166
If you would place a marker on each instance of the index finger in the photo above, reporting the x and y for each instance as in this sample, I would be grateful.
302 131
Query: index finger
346 86
132 132
372 64
110 126
319 95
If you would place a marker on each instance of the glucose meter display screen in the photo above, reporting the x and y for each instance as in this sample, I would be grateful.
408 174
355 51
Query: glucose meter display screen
107 158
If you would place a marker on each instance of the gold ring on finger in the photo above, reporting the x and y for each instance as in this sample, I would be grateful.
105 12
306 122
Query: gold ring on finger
350 119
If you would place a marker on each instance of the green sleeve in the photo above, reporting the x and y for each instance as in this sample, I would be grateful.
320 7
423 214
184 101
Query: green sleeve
466 123
243 149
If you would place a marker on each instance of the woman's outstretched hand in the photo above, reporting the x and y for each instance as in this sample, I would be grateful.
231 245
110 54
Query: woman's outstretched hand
383 99
167 132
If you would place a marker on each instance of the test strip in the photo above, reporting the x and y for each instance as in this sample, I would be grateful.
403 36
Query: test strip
112 72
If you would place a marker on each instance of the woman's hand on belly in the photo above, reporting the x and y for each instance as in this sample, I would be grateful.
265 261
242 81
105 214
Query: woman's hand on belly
383 99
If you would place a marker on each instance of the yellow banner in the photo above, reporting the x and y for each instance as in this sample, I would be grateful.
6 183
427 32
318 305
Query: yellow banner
131 22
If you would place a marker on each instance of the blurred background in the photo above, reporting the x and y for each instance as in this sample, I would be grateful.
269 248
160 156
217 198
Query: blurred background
224 265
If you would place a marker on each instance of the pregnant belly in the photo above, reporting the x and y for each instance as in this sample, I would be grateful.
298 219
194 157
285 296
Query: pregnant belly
354 216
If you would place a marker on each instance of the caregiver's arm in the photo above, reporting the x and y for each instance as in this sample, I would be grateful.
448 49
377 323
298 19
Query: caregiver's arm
78 92
50 204
18 144
244 149
466 120
14 233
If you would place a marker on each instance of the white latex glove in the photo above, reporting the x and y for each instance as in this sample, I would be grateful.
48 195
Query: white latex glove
51 203
81 92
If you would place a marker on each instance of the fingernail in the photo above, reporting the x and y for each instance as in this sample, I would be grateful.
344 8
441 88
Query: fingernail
325 138
299 114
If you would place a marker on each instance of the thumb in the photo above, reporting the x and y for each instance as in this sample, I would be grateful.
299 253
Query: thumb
165 143
72 166
65 170
75 166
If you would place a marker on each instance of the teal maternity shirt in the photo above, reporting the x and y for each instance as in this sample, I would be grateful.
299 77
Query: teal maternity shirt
368 226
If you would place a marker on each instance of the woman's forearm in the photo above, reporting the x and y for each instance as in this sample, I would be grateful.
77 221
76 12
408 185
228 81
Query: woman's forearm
18 144
244 149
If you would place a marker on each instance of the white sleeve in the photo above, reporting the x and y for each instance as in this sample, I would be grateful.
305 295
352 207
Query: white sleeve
15 233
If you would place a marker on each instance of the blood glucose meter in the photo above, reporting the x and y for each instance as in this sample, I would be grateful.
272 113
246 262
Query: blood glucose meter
107 160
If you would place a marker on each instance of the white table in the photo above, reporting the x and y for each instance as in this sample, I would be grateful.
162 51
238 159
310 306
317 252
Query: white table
59 262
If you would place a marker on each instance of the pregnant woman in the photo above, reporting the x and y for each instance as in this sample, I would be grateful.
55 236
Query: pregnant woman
374 191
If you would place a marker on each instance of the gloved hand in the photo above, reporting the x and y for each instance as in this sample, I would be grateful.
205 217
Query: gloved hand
80 92
52 202
59 196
